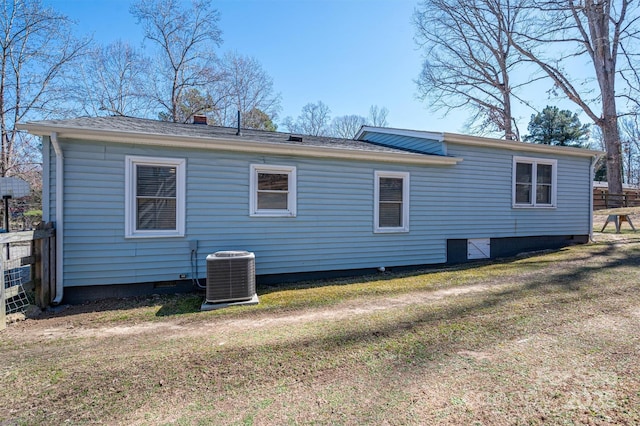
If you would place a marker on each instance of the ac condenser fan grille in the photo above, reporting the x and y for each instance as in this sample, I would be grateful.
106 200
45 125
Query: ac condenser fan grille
230 276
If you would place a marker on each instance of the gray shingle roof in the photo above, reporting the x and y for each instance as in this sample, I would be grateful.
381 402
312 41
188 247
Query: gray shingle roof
146 126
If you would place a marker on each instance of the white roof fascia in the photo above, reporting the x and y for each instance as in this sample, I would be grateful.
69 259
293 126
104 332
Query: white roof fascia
234 145
520 146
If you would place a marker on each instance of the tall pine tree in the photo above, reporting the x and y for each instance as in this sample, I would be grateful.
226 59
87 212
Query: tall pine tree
557 127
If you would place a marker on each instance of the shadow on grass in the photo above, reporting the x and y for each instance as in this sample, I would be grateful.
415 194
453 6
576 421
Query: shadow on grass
170 304
552 286
400 272
391 273
185 303
386 347
189 303
415 336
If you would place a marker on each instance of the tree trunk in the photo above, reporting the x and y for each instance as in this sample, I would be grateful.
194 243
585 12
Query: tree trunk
603 48
509 134
611 135
611 138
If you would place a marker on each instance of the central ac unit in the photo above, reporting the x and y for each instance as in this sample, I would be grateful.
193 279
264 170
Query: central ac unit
231 277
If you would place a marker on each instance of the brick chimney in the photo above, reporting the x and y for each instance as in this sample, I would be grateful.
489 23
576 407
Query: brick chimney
200 119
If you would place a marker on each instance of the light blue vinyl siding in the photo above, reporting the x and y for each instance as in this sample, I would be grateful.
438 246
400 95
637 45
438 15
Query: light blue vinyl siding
333 229
485 186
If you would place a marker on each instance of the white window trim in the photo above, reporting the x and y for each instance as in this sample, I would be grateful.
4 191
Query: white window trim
130 193
534 177
405 202
291 209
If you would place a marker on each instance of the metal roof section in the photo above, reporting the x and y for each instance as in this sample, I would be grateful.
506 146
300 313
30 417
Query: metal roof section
395 136
158 133
419 134
413 141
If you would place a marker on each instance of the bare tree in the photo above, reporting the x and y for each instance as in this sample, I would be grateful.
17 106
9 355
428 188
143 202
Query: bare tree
256 119
244 86
112 81
378 116
186 38
36 54
346 126
468 62
603 33
314 120
192 102
630 141
241 85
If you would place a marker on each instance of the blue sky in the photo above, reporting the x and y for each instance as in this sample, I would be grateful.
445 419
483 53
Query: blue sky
349 54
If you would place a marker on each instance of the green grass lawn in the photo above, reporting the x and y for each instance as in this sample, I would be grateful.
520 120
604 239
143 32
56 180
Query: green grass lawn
547 339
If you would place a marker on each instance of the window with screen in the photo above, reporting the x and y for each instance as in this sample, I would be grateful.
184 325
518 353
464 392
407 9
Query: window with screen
534 182
154 199
273 190
392 202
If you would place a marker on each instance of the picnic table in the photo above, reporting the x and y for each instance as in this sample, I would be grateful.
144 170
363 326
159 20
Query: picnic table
617 216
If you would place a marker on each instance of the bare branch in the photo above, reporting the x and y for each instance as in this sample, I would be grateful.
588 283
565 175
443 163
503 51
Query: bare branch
347 126
246 87
314 120
185 38
37 52
605 32
468 59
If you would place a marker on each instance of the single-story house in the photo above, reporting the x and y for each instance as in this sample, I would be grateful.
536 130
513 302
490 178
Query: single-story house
138 204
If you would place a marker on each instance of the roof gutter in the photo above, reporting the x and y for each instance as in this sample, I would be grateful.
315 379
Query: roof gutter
59 217
519 146
238 145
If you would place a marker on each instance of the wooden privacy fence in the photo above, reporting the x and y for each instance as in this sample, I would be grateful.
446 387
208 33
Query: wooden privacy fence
26 270
604 200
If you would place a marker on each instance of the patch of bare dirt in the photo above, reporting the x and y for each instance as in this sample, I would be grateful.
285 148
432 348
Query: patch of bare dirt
83 320
545 340
70 326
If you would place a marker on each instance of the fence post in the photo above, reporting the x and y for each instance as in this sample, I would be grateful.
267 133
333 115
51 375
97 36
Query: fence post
41 290
3 302
44 268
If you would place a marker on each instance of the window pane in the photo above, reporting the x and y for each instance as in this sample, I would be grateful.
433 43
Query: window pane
155 181
272 200
544 173
543 194
390 215
523 173
523 193
156 213
273 182
390 189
